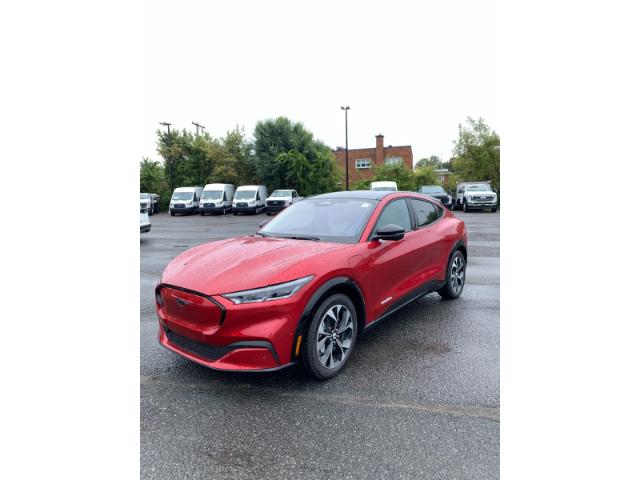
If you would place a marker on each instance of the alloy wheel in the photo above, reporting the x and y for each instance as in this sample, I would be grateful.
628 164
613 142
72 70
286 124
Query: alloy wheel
457 274
335 334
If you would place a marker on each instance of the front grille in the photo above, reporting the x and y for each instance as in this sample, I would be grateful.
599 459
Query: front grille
179 205
211 352
143 205
209 204
275 203
242 204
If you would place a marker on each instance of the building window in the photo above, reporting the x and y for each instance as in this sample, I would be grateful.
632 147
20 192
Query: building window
363 163
393 160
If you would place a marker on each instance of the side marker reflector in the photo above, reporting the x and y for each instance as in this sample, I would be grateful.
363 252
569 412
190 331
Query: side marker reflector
298 345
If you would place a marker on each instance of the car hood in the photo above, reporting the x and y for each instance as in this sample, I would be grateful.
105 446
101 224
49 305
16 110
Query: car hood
243 263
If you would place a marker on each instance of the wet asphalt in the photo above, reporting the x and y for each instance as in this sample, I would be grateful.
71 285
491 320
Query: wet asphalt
419 398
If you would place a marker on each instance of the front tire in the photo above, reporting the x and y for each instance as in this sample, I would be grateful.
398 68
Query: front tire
330 338
173 214
456 275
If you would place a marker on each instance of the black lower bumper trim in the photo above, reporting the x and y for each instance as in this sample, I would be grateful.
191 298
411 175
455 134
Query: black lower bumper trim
213 352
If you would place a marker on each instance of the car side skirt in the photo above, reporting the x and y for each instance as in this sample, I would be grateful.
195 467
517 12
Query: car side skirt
421 291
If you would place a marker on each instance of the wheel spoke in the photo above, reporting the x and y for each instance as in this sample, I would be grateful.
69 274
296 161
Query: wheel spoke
345 323
326 354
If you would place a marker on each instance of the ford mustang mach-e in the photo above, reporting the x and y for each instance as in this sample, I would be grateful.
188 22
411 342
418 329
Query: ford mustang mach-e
310 281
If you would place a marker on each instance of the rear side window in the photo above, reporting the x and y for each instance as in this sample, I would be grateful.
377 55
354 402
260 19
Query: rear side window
396 213
426 212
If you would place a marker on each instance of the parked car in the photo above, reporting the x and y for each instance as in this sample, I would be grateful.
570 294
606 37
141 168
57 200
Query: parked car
145 223
476 196
384 186
310 281
145 203
281 199
250 199
185 200
439 193
155 203
216 198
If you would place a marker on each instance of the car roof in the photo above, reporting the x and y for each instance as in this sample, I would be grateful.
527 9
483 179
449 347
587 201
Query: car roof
359 194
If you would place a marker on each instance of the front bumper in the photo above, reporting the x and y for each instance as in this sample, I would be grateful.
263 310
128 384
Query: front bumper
481 205
219 209
183 210
275 208
145 228
245 209
221 335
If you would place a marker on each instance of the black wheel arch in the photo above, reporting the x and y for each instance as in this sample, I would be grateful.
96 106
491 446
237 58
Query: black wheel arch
341 284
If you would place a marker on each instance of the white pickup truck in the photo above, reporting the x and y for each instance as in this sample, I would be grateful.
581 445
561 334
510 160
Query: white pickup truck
475 196
281 199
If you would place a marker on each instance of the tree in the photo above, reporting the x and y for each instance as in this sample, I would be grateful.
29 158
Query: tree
433 161
241 150
152 180
281 144
398 173
174 149
425 176
477 153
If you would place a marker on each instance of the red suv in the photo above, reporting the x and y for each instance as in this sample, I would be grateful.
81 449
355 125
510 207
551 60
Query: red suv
310 281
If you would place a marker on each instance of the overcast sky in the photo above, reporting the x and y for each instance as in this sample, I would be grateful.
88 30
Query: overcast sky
409 71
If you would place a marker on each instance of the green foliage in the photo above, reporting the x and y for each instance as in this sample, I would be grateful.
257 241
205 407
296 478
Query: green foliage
433 161
425 176
241 150
152 180
281 144
477 153
400 174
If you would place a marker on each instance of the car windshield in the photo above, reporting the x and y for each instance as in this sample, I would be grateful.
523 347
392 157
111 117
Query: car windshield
281 193
245 195
433 189
384 189
211 195
339 220
144 196
478 188
182 196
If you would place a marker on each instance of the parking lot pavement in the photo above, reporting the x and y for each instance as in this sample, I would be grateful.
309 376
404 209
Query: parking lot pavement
419 398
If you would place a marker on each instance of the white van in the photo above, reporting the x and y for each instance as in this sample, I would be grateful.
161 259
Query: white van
249 198
217 198
384 186
185 200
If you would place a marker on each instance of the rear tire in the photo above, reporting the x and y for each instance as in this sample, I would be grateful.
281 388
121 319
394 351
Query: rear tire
455 277
326 349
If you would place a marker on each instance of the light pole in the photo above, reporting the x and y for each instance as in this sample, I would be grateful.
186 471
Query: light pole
168 125
198 127
346 144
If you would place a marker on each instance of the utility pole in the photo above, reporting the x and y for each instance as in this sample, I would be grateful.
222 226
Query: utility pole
198 127
168 125
346 145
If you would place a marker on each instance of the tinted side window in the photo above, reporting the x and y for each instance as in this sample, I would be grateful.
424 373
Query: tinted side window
425 212
397 213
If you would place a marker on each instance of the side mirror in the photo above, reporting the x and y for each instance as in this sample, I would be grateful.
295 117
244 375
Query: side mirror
389 232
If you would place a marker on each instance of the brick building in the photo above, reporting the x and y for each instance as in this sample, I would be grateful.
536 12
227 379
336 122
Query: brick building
362 160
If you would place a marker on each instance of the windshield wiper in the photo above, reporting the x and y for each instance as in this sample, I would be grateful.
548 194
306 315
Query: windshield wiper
313 239
263 234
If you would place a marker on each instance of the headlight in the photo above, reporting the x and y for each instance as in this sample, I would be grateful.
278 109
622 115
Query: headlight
265 294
